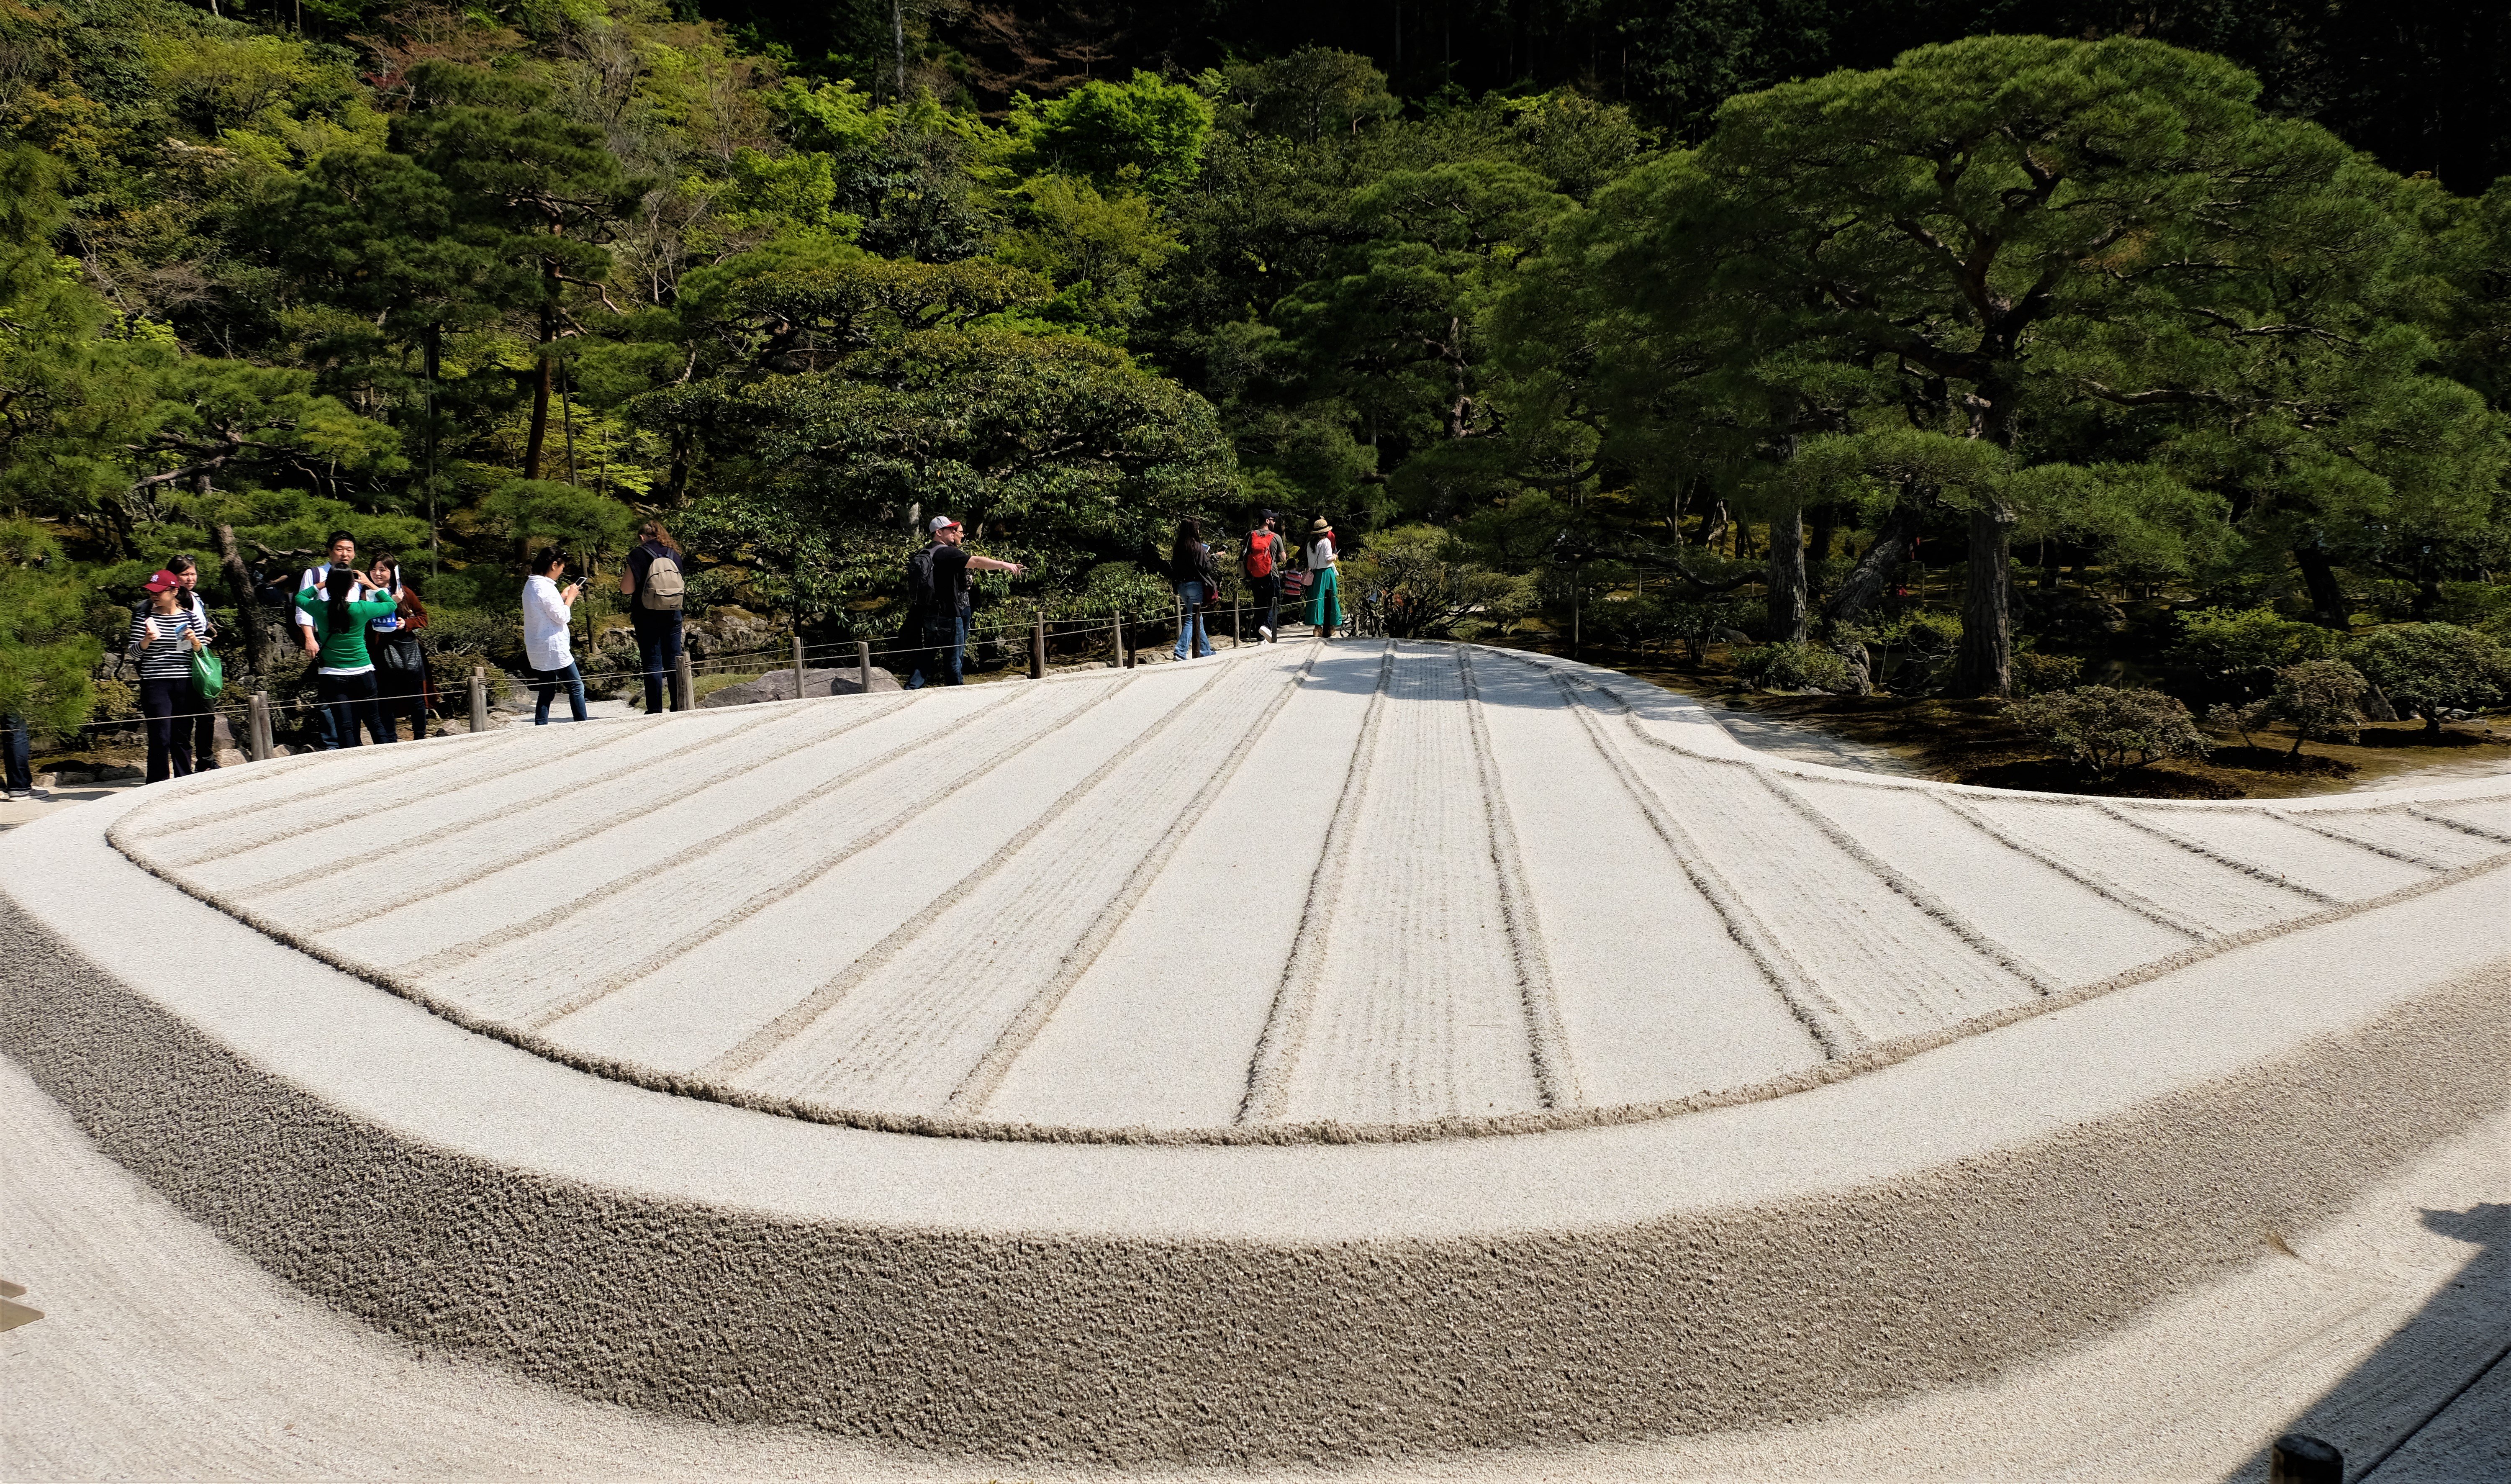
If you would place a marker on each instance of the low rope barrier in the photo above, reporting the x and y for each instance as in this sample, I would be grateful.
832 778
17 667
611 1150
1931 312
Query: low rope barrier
847 653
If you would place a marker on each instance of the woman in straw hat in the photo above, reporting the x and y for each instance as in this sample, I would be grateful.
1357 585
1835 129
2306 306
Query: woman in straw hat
1325 605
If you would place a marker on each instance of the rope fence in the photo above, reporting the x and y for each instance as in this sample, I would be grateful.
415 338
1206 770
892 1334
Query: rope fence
264 715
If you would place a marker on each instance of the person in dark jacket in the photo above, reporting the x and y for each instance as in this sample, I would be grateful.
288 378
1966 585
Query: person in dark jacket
938 603
654 609
398 653
1191 573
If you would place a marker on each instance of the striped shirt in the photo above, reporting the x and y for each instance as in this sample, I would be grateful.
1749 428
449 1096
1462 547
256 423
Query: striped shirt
159 640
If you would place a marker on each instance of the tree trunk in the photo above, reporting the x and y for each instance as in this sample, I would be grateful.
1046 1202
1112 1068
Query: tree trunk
541 391
1712 525
1865 580
2326 598
1817 542
1787 576
1985 665
435 346
897 39
256 643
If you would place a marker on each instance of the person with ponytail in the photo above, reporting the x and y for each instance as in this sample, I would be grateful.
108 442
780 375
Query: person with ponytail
344 678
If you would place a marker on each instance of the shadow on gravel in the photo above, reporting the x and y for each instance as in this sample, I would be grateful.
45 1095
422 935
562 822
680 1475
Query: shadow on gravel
2393 1416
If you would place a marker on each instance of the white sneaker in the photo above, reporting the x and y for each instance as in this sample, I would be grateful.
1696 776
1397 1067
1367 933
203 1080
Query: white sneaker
1264 634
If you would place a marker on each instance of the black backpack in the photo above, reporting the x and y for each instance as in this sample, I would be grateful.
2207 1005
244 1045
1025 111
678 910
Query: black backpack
919 584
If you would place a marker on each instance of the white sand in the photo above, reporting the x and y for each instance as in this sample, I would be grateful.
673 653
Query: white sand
1304 1025
894 905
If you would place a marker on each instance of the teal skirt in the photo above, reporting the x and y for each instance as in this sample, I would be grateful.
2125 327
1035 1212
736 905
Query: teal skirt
1325 605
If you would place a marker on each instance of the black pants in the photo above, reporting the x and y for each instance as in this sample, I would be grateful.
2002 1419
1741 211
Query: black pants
170 731
1268 597
350 701
398 691
658 655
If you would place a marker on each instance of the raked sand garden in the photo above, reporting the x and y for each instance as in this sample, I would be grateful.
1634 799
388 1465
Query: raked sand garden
1329 1052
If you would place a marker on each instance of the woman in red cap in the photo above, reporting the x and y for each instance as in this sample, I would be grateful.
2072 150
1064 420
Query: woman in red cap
163 637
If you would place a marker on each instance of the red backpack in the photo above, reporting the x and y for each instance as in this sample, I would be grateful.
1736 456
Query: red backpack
1259 553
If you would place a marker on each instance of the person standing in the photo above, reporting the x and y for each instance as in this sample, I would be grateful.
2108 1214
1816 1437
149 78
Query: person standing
654 585
344 678
16 757
1264 567
204 725
163 639
548 642
344 548
941 591
1324 603
399 655
1197 584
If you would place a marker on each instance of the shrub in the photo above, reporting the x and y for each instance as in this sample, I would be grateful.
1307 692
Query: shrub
2110 728
2242 649
2035 674
1419 582
1925 641
1794 666
2434 668
1696 624
2322 700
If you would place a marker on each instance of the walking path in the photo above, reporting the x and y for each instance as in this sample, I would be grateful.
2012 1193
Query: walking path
1237 992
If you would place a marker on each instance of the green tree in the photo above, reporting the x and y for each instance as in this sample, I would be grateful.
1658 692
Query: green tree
532 189
1995 219
1144 135
46 653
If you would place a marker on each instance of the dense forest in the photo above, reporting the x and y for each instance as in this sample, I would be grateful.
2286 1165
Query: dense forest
1600 323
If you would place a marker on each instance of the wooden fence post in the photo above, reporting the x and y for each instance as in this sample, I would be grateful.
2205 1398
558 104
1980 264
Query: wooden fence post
478 698
2297 1457
1038 646
684 684
1123 661
863 665
257 727
797 664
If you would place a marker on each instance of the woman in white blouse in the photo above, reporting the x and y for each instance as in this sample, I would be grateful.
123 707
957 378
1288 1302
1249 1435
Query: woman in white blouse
1324 601
548 643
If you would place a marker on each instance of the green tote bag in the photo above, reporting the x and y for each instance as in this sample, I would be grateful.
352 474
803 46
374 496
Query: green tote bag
209 677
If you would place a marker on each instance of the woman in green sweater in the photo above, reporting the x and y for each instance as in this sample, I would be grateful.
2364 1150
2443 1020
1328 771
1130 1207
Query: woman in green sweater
344 676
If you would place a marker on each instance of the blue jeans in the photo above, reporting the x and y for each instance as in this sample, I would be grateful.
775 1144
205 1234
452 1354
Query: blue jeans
546 683
1191 623
658 655
945 638
17 762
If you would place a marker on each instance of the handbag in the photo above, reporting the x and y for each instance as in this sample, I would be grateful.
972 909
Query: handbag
208 676
401 655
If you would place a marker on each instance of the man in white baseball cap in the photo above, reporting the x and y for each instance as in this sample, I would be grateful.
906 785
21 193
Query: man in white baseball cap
937 602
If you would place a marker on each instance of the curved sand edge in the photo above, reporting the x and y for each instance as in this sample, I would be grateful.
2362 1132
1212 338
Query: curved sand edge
1921 1226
